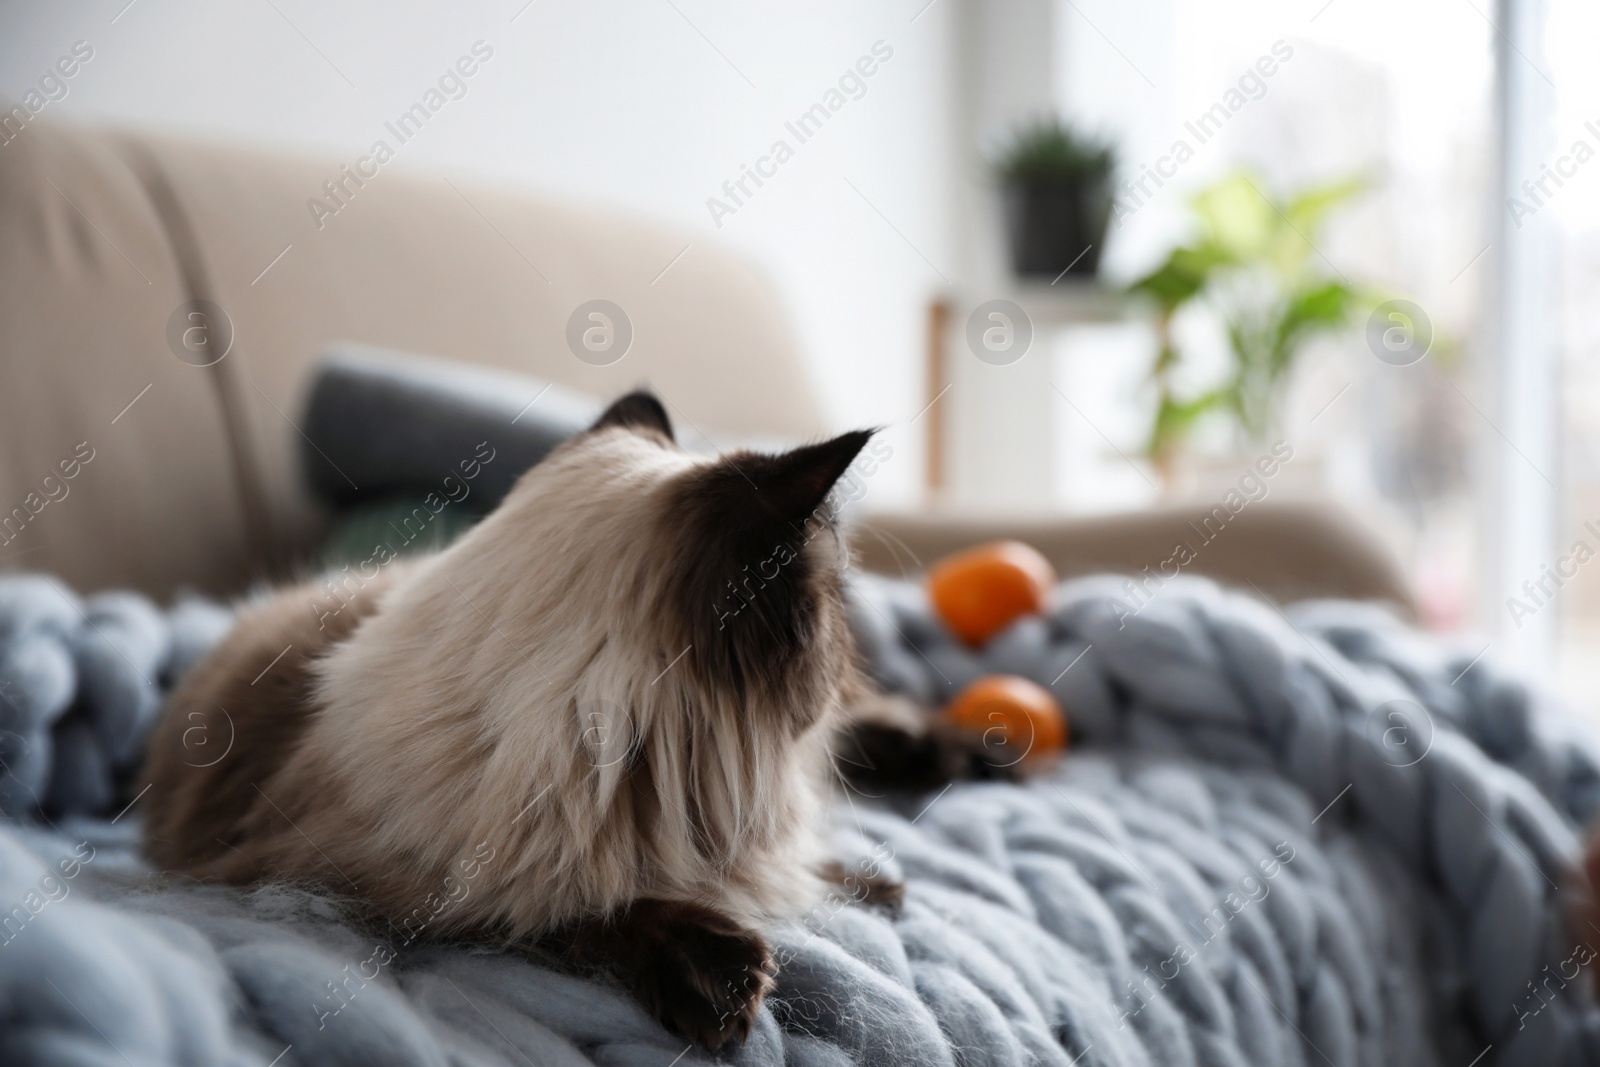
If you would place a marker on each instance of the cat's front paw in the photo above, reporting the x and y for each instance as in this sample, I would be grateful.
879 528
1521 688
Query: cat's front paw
706 980
695 969
873 755
967 755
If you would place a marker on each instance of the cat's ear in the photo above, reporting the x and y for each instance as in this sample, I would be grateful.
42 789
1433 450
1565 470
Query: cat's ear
638 410
748 501
791 486
748 591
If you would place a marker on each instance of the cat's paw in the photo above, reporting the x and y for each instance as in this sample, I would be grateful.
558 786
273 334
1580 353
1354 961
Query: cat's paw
706 979
692 967
873 755
966 755
981 757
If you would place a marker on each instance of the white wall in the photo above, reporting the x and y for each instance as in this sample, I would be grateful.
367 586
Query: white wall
625 102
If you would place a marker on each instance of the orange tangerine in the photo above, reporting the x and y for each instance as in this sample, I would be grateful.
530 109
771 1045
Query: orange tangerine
981 591
1026 714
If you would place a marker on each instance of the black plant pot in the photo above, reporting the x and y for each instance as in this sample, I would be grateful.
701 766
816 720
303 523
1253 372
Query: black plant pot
1055 228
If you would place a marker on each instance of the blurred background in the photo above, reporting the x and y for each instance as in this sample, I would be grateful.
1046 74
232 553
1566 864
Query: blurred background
1177 236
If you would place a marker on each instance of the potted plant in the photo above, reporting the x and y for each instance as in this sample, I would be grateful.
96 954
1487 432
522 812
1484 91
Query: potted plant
1056 186
1255 263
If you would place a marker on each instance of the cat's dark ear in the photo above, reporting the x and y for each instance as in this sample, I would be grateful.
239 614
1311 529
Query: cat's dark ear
748 591
791 486
638 410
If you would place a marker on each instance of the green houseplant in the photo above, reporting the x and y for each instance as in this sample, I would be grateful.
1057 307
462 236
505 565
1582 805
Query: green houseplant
1255 262
1056 186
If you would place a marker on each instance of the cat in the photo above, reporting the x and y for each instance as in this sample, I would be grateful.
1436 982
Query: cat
554 733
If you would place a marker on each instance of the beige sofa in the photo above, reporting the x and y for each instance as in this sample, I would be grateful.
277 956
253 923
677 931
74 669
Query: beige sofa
192 471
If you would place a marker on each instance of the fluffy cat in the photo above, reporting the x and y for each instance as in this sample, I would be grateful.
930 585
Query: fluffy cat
550 734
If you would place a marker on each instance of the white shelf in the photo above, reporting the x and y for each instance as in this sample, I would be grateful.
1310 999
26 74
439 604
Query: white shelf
1069 302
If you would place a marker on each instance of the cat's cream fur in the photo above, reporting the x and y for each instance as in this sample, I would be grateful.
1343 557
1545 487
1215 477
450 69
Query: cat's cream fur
528 695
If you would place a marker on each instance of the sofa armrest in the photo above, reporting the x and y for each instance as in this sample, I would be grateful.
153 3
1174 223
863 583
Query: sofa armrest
1285 551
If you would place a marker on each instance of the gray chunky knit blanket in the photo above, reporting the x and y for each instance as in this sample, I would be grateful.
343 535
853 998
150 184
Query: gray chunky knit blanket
1309 838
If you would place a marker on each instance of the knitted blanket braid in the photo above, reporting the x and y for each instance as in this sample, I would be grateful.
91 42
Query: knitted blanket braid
1302 838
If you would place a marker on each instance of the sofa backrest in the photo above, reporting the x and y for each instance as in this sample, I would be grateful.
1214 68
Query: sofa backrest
132 262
